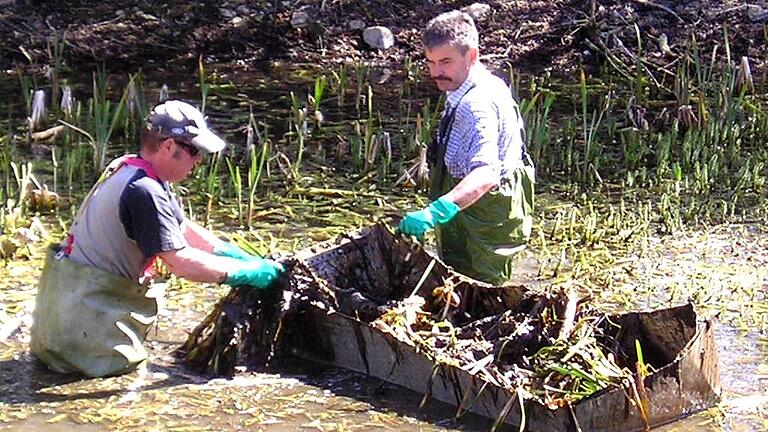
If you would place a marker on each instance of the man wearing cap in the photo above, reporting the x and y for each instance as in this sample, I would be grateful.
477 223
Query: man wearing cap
95 303
481 178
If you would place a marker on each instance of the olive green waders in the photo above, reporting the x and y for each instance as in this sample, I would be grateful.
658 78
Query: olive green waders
90 321
481 240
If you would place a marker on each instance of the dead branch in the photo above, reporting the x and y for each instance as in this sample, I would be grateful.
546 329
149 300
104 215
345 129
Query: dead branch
659 6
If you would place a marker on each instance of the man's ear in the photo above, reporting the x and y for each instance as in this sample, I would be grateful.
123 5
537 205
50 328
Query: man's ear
167 144
473 53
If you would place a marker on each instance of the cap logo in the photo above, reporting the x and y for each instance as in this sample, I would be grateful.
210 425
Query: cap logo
177 131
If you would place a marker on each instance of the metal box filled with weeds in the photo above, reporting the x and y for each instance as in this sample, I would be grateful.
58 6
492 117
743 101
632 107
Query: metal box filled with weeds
377 303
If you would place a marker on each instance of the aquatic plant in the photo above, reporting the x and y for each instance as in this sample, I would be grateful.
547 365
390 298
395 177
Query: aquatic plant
203 83
102 118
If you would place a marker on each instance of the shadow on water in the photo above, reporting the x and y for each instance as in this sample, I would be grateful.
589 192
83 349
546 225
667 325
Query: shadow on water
384 397
25 380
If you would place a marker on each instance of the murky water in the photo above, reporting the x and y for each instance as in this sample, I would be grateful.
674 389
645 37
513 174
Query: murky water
299 397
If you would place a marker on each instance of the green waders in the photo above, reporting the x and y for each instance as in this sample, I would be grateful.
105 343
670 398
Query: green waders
90 321
481 240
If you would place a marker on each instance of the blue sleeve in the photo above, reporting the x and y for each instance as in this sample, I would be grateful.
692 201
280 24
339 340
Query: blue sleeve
152 217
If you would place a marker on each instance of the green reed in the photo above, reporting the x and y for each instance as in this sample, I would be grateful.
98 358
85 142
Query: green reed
27 83
212 184
536 116
258 164
136 106
315 99
361 79
203 83
6 157
102 119
590 128
55 48
237 184
300 129
340 83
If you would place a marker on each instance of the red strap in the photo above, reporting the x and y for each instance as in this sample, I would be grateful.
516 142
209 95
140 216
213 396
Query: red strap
69 241
149 269
142 165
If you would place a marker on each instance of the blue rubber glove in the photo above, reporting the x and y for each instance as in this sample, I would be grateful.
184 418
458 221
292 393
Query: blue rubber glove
257 273
229 250
417 223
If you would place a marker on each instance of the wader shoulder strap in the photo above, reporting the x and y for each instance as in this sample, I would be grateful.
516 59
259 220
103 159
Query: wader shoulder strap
436 151
110 170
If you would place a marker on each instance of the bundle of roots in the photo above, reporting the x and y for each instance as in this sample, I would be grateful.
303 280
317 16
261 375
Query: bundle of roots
243 329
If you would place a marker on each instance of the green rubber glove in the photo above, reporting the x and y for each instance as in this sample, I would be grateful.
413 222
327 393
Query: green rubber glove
229 250
258 273
417 223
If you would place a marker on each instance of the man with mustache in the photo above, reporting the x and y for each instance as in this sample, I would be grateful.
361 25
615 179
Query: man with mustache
481 178
95 303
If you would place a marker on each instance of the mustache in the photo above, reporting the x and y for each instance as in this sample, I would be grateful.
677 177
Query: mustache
441 78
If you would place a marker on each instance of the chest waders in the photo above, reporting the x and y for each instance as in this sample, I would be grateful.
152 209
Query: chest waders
90 321
482 239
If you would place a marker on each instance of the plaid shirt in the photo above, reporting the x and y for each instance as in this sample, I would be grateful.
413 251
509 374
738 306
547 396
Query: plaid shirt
488 128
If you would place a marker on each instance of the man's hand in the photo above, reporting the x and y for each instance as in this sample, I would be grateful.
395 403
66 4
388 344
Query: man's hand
229 250
417 223
258 273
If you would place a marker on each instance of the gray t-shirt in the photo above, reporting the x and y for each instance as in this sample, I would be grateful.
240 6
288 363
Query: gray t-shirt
129 219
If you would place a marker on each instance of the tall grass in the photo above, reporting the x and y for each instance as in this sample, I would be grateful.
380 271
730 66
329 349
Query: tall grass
258 166
102 119
202 81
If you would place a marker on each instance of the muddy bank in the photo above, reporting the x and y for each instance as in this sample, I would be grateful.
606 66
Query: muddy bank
533 36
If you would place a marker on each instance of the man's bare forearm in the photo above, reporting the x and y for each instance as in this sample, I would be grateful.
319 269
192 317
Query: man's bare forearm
198 265
472 187
199 237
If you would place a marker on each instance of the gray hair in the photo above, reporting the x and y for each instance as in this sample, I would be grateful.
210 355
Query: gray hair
451 28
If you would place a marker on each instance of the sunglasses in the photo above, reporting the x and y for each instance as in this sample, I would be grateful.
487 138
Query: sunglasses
192 150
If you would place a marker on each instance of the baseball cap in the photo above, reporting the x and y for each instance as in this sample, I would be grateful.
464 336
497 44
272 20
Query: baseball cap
182 121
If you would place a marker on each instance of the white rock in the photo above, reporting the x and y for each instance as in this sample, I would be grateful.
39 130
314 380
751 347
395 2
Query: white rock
146 16
356 24
227 13
380 76
756 13
378 37
478 11
299 19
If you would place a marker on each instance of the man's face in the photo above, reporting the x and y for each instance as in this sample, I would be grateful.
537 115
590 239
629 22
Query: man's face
178 160
448 67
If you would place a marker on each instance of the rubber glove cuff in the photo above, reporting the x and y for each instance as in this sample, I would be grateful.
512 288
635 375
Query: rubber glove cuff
443 210
419 222
229 250
257 273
